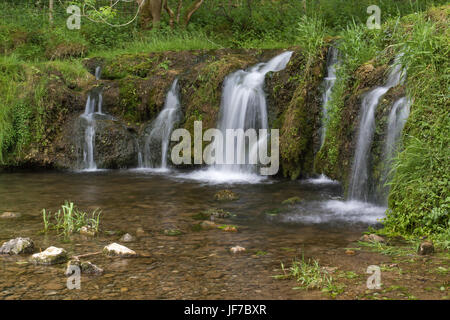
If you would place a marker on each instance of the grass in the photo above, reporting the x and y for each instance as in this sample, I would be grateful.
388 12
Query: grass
69 219
310 275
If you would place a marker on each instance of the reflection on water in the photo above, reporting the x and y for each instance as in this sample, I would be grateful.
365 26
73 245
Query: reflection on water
196 264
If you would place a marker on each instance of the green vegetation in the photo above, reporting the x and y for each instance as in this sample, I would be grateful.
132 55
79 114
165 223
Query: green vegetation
69 219
311 276
39 61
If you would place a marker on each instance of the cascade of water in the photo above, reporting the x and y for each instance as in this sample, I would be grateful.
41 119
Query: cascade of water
244 107
328 84
94 99
396 121
157 141
358 188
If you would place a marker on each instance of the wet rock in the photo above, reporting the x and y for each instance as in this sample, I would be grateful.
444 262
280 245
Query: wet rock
172 232
117 250
237 249
10 215
17 246
127 238
229 228
372 238
291 201
226 195
86 267
208 225
426 248
51 255
88 231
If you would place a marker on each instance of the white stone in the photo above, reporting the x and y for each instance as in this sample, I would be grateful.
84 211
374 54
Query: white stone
115 249
51 255
237 249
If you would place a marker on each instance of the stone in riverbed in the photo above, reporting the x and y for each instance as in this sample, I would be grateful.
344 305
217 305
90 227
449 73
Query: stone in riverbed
127 238
10 215
51 255
425 248
208 225
85 267
226 195
17 246
237 249
372 238
88 231
117 250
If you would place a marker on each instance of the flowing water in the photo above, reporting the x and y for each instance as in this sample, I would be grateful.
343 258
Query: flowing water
358 188
157 140
328 84
396 121
243 106
195 264
93 108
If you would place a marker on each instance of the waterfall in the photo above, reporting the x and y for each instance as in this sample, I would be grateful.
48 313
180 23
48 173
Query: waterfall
92 109
396 121
358 188
157 140
328 84
244 107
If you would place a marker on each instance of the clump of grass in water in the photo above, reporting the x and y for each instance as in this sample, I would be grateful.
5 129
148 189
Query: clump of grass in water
311 276
69 219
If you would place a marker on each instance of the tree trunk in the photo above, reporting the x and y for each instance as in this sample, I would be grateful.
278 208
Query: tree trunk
155 10
191 11
50 11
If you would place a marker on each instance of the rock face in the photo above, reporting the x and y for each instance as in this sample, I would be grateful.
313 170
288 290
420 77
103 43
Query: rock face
425 248
372 238
115 145
117 250
51 255
226 195
17 246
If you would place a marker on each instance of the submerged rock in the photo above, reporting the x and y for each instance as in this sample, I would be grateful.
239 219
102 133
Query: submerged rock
226 195
117 250
208 225
172 232
51 255
17 246
127 238
140 232
372 238
88 231
10 215
426 248
292 200
237 249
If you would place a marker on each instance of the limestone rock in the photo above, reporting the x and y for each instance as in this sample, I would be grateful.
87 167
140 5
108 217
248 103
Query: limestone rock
425 248
10 215
85 267
372 238
208 225
117 250
237 249
127 238
51 255
17 246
